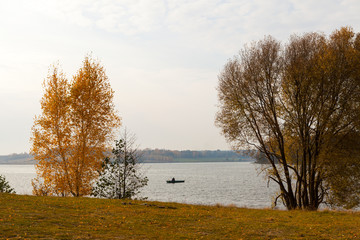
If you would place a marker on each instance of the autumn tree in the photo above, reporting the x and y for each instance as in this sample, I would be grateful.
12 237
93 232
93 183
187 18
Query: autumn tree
71 136
121 176
343 178
296 104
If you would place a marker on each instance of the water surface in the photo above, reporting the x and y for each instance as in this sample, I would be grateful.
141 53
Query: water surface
236 183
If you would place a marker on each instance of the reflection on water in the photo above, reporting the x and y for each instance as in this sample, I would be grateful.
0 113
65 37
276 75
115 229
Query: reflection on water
205 183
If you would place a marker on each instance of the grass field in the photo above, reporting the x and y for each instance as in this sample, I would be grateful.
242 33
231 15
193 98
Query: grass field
30 217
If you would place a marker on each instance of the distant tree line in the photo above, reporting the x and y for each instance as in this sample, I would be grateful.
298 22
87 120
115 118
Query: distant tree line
17 158
14 156
163 155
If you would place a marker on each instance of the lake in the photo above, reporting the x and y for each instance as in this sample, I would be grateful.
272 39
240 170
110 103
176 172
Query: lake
230 183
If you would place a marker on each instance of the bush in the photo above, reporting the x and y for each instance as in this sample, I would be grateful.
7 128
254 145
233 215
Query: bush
4 186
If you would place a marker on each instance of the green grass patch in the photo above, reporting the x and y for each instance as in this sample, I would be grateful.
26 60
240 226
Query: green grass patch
31 217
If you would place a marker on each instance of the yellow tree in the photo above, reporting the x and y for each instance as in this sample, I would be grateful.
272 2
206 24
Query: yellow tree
51 137
93 120
71 136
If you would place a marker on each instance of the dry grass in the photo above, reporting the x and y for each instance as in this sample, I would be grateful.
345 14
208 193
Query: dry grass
30 217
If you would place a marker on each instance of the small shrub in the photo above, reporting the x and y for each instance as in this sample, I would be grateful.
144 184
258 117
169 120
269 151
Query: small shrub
4 186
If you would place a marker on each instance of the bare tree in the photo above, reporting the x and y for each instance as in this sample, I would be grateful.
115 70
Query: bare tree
294 104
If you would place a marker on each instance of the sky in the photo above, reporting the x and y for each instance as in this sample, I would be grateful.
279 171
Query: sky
162 57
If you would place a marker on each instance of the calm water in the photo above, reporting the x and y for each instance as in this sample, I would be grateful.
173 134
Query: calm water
205 183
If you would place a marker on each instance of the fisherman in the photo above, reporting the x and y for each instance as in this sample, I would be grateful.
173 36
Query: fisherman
173 179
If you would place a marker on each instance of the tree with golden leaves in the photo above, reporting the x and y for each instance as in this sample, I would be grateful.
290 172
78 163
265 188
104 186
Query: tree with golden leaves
298 104
72 135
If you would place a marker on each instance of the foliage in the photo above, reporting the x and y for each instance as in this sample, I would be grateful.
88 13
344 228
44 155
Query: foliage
343 177
296 103
121 176
72 134
4 186
32 217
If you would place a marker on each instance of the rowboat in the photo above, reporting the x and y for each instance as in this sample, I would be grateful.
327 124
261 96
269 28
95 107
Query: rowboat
175 181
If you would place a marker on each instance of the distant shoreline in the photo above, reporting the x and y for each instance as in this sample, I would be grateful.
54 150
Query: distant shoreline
195 161
155 156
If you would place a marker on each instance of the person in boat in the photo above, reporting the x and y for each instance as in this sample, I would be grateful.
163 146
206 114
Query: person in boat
173 179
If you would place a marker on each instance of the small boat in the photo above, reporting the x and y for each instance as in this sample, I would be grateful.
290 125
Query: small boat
175 181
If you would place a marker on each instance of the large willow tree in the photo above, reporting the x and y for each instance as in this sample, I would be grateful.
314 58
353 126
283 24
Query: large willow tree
73 132
299 105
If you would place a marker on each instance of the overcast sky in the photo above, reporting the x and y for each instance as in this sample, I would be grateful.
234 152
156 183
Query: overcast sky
162 57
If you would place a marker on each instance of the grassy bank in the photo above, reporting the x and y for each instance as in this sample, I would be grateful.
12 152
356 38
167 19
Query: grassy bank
84 218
